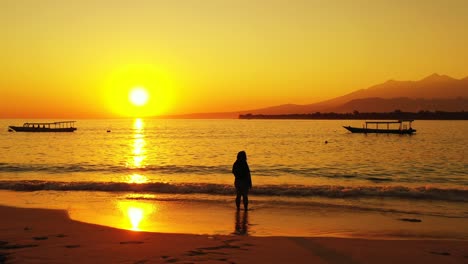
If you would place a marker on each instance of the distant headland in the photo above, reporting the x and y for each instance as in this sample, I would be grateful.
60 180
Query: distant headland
395 115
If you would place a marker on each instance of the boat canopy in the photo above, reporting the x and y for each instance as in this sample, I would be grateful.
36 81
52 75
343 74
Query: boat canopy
390 122
60 124
403 124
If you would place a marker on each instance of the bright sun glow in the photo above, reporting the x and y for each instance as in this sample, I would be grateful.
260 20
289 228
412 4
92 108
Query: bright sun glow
139 90
138 96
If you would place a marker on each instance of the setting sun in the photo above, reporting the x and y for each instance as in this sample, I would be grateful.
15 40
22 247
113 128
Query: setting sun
138 90
138 96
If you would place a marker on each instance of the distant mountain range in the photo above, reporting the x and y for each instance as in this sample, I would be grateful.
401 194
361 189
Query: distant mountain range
433 93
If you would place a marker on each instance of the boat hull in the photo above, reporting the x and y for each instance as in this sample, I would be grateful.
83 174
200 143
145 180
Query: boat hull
41 129
379 131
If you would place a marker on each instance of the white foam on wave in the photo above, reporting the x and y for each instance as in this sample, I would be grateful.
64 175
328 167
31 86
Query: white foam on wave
329 191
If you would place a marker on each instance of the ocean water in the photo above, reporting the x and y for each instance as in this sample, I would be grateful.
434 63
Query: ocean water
297 165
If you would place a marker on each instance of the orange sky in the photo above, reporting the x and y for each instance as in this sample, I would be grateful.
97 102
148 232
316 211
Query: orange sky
78 59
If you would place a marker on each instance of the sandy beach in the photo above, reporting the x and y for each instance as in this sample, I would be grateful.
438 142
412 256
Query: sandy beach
130 131
50 236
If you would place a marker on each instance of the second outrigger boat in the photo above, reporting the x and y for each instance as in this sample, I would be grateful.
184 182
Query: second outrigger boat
403 128
63 126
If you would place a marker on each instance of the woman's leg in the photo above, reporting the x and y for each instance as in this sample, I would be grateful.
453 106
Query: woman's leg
245 199
238 198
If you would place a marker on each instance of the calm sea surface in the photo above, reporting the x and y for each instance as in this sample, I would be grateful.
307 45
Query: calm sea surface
289 159
202 151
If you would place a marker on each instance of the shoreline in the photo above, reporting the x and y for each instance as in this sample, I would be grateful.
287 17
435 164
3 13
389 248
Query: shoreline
198 215
50 236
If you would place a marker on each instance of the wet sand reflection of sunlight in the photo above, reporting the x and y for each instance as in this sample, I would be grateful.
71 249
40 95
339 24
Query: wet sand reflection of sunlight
136 214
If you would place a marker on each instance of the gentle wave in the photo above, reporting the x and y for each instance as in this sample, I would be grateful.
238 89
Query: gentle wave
84 168
165 169
169 169
272 171
216 170
425 193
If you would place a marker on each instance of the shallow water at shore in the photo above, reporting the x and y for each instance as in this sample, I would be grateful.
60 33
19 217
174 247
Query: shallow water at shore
208 214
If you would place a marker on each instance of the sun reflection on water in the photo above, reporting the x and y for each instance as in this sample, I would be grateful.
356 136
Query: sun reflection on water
137 178
138 124
136 213
138 146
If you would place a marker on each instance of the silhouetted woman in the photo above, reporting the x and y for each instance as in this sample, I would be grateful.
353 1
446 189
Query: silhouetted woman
243 181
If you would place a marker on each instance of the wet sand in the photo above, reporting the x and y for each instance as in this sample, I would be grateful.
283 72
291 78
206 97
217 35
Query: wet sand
50 236
216 215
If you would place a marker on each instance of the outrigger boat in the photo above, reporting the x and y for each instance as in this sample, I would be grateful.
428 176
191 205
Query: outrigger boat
403 128
63 126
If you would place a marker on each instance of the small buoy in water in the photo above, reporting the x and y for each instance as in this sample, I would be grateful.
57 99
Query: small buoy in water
108 131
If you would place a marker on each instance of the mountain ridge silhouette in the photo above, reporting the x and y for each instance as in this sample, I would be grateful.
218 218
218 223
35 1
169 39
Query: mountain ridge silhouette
434 92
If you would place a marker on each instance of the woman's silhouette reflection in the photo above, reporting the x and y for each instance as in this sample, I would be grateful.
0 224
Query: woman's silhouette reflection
242 223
